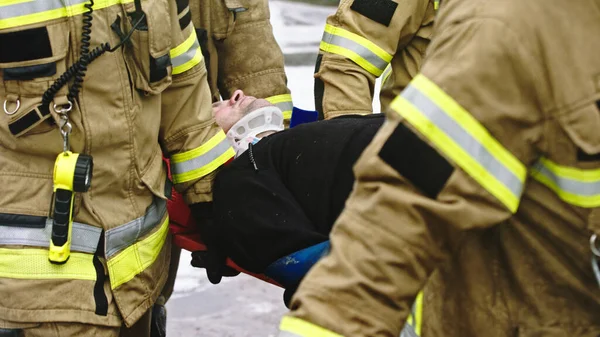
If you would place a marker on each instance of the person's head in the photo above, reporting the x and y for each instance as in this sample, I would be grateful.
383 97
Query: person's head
230 111
245 119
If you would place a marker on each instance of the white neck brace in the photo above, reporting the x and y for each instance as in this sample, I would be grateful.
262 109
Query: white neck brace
261 120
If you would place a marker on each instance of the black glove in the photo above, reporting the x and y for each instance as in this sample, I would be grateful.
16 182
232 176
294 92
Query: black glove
213 260
158 324
214 265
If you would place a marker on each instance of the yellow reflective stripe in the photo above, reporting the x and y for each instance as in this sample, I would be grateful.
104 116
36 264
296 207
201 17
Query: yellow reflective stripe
186 55
137 257
284 102
351 55
303 328
386 74
189 64
436 4
415 319
363 52
418 313
34 264
12 2
463 139
279 98
52 14
197 152
575 186
184 46
202 160
375 49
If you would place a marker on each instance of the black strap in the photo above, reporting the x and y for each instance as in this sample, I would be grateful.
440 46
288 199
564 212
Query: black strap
32 118
99 295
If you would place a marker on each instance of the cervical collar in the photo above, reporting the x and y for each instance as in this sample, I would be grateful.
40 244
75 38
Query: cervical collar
261 120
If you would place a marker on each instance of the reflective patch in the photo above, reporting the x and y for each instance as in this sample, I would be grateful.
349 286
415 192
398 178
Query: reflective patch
284 103
380 11
575 186
295 327
363 52
460 137
187 55
202 160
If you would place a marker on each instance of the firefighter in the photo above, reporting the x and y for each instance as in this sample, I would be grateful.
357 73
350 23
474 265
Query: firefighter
240 50
364 40
92 95
486 172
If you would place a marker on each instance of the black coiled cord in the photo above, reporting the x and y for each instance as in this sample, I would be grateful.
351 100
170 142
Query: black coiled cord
86 36
79 68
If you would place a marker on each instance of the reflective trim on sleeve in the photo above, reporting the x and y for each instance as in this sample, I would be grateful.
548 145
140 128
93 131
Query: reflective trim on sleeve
295 327
186 55
459 136
386 74
363 52
125 235
136 258
202 160
21 13
575 186
33 264
414 323
284 103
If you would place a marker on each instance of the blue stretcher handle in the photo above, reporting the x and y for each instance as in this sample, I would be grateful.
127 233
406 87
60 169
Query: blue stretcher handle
300 116
289 270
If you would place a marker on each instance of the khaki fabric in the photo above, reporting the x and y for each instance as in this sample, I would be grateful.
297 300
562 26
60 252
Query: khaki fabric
533 85
242 51
69 330
125 122
347 87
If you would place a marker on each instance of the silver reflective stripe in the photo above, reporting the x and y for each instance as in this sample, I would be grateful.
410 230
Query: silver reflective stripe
187 56
579 188
202 160
33 7
84 237
408 331
125 235
285 106
464 139
363 51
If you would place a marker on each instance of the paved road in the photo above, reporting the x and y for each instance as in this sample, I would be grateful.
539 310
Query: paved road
237 307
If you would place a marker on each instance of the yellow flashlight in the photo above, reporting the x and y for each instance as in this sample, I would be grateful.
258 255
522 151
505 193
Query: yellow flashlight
72 173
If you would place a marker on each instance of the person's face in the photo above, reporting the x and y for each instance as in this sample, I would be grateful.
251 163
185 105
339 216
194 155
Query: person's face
229 112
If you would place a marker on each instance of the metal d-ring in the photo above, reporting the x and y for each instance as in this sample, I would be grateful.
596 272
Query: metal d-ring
594 245
63 110
15 110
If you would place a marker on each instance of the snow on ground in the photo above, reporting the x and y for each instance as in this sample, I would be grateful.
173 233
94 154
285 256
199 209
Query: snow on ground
243 306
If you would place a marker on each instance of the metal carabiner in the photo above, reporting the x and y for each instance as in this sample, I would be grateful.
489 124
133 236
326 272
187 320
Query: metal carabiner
595 257
18 102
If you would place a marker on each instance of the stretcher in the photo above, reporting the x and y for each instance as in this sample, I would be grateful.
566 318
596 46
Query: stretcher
186 235
287 270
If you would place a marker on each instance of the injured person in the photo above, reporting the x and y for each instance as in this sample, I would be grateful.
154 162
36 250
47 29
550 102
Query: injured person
275 204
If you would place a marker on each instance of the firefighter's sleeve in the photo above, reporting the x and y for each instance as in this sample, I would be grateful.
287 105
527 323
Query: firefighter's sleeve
358 43
193 142
452 157
250 59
